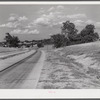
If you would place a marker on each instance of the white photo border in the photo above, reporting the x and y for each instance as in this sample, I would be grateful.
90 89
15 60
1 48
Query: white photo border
49 93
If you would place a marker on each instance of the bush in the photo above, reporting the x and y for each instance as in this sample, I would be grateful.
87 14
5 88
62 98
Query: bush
59 40
40 45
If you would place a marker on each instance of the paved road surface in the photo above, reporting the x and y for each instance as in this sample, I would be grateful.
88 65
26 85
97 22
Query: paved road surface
17 75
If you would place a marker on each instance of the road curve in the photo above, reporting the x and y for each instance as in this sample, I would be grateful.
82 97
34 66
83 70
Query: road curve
16 77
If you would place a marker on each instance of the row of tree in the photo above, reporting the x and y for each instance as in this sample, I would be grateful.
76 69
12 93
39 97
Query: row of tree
69 35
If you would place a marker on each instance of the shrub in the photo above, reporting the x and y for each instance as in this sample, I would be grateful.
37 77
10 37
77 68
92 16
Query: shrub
40 45
59 40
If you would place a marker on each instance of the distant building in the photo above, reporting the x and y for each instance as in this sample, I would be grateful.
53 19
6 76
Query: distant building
27 44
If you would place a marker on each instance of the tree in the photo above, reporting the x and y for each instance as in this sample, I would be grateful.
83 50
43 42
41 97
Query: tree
8 39
69 30
11 41
59 40
88 34
71 36
40 44
15 41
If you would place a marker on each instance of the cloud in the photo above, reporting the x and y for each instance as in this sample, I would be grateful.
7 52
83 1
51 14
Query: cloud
17 24
79 22
15 17
77 16
45 19
41 11
51 9
56 8
12 18
14 21
25 31
89 22
42 21
56 24
10 24
48 19
84 23
3 25
22 18
97 24
55 15
34 31
30 25
16 31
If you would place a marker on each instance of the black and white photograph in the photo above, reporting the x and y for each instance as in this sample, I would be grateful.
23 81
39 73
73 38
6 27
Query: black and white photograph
50 46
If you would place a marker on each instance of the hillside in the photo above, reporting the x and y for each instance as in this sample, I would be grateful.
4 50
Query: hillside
72 67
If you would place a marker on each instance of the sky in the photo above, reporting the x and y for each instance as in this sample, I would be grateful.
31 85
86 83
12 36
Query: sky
32 22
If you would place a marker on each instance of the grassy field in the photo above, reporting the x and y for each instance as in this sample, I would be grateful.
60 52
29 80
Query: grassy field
72 67
7 50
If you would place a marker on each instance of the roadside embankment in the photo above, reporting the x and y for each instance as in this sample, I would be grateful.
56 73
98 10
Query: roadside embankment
72 67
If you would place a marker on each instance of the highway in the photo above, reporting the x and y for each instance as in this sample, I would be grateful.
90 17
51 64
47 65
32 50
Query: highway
18 75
